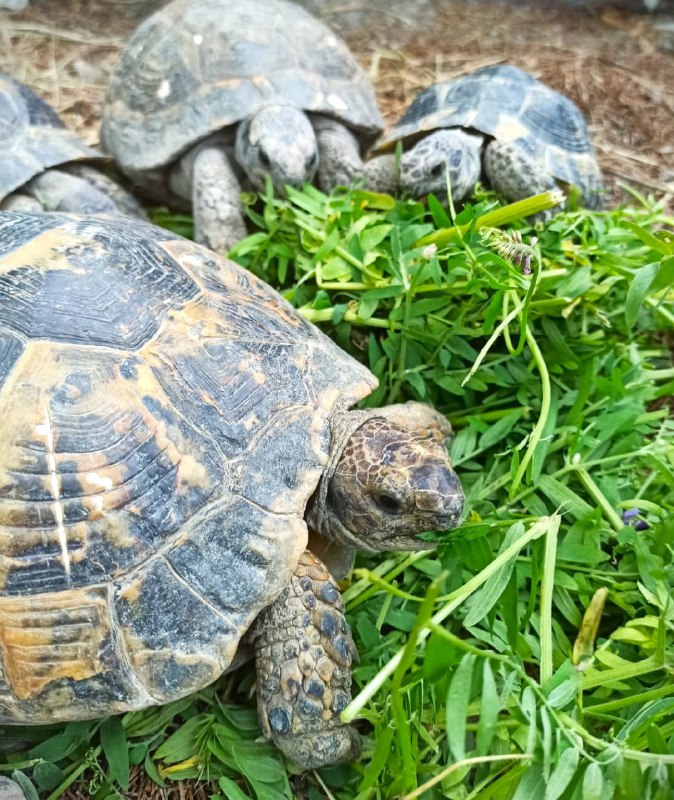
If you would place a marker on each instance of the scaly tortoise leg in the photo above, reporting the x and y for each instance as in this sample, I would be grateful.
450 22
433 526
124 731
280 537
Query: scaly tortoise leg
303 654
21 202
206 177
56 190
513 173
382 174
339 159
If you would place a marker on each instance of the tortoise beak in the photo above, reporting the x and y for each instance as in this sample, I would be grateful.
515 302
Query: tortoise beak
443 500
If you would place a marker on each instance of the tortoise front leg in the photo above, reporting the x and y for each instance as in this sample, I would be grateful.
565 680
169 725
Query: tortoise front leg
206 177
382 174
513 173
303 654
339 159
56 190
21 202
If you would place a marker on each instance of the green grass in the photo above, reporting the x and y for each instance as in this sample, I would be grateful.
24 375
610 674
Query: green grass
529 653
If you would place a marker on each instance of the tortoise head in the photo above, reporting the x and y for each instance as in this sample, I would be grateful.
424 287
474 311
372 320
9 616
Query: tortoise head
391 482
424 168
277 141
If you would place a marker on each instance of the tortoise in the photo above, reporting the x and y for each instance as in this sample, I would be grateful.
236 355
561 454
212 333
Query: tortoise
498 121
46 166
208 94
170 429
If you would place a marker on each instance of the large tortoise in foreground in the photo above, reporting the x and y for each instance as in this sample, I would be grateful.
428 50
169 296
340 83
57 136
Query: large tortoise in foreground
169 427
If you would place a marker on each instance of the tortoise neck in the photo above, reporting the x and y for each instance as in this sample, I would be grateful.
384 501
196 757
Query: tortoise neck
319 517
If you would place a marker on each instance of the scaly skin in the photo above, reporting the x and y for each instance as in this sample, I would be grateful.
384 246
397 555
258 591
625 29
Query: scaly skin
304 652
340 161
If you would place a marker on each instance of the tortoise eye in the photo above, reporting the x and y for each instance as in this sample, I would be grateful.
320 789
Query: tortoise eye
438 170
388 503
264 159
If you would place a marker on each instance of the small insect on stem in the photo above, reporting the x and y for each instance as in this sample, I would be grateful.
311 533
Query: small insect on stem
510 245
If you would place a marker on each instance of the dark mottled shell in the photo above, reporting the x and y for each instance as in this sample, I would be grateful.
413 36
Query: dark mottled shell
510 105
32 137
198 66
164 418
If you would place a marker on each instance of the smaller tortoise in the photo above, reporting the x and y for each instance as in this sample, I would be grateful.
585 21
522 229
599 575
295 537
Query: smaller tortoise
33 142
170 428
497 121
210 93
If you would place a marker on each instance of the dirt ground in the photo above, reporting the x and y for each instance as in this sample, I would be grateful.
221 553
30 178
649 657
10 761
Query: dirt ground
614 60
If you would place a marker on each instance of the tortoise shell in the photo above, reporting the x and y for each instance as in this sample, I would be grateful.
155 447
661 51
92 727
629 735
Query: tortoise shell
32 137
508 104
164 418
198 66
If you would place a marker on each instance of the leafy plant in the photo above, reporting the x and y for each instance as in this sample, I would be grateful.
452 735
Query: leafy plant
528 653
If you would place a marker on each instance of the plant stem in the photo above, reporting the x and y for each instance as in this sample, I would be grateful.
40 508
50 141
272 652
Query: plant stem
547 584
545 410
457 598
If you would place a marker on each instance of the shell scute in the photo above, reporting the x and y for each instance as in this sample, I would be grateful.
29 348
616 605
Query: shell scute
175 641
106 305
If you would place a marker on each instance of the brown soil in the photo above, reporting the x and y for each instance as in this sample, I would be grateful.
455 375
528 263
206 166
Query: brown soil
615 63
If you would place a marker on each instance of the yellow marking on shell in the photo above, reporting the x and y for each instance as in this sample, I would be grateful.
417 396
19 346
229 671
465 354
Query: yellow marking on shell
191 473
255 293
131 592
95 479
54 636
46 252
509 129
55 490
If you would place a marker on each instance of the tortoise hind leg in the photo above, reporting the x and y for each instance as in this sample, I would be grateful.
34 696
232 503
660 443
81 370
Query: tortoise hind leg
304 651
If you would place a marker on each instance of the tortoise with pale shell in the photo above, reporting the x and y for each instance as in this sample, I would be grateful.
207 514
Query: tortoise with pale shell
44 166
210 93
498 122
170 429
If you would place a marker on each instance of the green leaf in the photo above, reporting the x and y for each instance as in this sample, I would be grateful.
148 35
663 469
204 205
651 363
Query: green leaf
661 244
484 599
382 753
115 750
47 775
499 430
231 789
564 499
593 782
638 289
458 698
489 710
26 786
562 774
182 744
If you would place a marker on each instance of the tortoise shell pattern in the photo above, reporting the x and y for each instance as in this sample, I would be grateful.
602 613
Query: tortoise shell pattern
164 418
